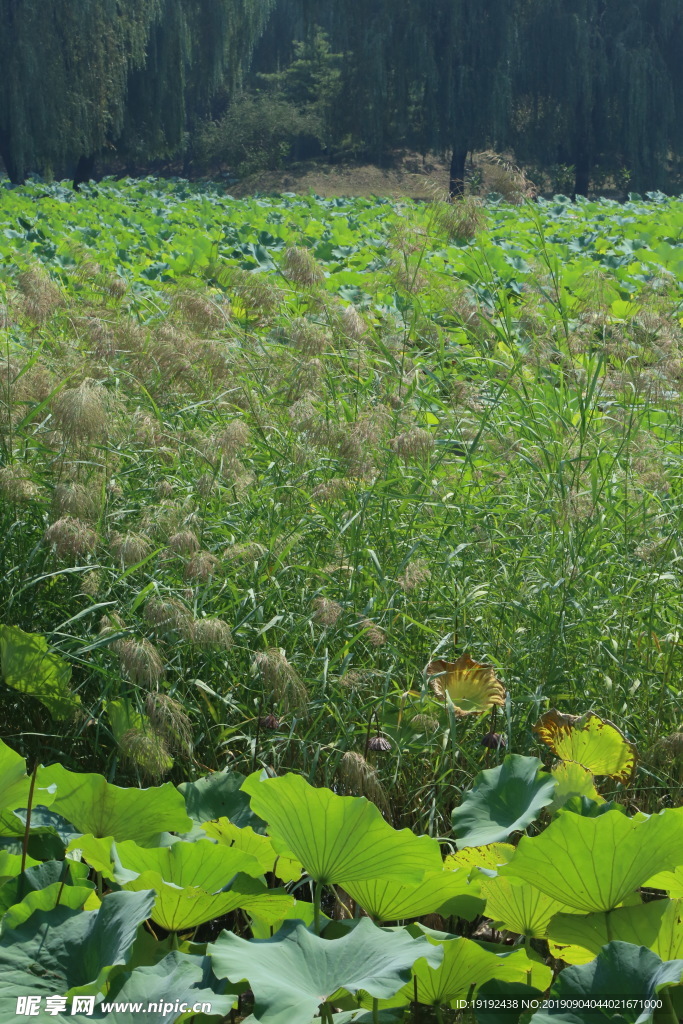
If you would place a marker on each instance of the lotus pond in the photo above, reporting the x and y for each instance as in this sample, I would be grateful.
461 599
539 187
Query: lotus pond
334 536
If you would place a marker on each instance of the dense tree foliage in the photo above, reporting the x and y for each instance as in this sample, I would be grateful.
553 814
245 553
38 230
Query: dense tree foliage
575 82
88 74
583 84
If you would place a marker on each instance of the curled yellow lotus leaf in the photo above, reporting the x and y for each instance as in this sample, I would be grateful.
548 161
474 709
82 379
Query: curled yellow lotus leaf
596 744
472 687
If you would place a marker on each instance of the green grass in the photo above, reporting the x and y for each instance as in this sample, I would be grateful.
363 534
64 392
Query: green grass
441 429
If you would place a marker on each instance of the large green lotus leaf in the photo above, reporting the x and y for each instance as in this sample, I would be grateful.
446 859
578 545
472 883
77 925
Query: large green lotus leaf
572 780
202 864
339 839
64 951
228 834
73 896
466 963
95 851
14 791
28 665
43 887
503 800
178 978
657 925
301 910
669 881
519 906
593 864
10 865
390 901
295 971
621 970
177 909
96 806
219 795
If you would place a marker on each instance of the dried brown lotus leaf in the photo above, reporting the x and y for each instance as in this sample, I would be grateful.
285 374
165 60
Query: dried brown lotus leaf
472 687
596 744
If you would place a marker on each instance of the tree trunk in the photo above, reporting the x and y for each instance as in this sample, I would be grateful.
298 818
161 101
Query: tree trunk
582 173
456 187
85 170
15 175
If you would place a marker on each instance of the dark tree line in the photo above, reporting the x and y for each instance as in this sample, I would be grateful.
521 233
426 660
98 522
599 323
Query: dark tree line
575 82
78 77
584 83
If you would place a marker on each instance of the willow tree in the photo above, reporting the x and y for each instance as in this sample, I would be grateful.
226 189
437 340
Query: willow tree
433 74
197 50
600 84
76 76
64 74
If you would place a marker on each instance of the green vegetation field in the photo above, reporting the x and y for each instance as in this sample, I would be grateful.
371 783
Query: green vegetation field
261 463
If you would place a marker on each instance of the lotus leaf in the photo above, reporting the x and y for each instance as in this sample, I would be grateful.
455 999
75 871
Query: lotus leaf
219 796
391 901
572 780
10 865
73 896
295 971
177 909
499 991
593 864
519 907
569 953
669 881
300 910
64 951
657 925
178 978
14 788
473 688
339 839
503 800
466 965
597 745
228 834
28 665
95 806
622 970
488 858
39 877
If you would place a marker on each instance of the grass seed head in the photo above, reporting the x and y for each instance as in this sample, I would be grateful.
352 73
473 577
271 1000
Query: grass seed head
147 752
352 323
373 634
141 662
41 296
416 574
211 632
185 542
81 413
169 721
201 567
244 553
167 616
300 266
232 438
359 778
309 338
16 484
326 612
77 500
416 443
281 679
71 538
130 548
